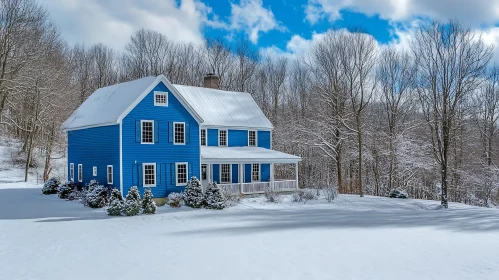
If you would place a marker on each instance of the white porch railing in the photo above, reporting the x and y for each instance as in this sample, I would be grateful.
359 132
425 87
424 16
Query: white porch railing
233 188
255 187
285 185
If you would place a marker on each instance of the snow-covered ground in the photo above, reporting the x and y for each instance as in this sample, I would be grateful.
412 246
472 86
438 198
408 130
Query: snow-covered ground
43 237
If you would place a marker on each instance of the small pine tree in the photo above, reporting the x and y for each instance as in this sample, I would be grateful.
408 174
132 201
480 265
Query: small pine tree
193 194
51 186
214 199
132 203
116 204
148 204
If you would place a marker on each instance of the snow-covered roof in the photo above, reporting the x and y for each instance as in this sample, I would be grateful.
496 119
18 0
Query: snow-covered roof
210 107
106 104
215 154
224 108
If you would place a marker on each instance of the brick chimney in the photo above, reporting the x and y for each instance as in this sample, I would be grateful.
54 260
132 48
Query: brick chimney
211 81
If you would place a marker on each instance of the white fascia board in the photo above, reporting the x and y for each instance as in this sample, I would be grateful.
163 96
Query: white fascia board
88 126
249 161
236 127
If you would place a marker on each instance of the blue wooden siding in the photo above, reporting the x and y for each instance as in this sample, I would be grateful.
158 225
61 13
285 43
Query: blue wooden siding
264 172
97 146
238 138
212 137
263 139
235 173
163 152
216 173
247 173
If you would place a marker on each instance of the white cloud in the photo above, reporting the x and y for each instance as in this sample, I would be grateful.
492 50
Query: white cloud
474 13
113 22
251 17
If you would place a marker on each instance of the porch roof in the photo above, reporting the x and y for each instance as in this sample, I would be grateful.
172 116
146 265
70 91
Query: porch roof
215 154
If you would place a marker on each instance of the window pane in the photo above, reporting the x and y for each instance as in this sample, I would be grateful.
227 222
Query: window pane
179 133
181 173
203 172
223 137
252 138
160 98
203 137
147 132
149 174
225 173
255 172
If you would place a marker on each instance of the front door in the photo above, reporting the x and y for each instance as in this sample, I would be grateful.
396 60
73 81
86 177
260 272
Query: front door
204 175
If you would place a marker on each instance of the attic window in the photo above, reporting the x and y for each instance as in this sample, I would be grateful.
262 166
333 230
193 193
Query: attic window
160 98
222 138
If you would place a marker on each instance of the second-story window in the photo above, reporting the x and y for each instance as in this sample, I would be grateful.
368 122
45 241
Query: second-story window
203 137
222 138
147 132
179 133
251 138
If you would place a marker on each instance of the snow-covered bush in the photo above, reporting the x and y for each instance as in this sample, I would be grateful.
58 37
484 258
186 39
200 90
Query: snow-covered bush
193 194
309 195
272 196
214 198
132 202
148 204
396 193
175 199
231 199
116 203
330 193
95 197
298 196
51 186
66 189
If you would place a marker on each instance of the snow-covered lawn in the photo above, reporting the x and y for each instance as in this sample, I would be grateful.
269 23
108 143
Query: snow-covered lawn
43 237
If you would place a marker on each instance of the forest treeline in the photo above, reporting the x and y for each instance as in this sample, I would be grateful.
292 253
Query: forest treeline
365 117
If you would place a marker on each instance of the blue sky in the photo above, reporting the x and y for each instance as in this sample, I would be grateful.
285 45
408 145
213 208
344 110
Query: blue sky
283 26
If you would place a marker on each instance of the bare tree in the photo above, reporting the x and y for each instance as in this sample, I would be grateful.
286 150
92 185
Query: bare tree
451 61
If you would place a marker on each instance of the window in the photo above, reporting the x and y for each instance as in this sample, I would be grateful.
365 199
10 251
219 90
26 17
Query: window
179 133
255 172
110 174
149 174
94 171
225 173
147 132
252 138
72 172
181 173
222 138
203 172
160 98
203 137
80 172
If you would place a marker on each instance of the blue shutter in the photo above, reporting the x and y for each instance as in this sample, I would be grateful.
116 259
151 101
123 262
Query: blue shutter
172 172
170 132
189 170
137 131
187 133
156 131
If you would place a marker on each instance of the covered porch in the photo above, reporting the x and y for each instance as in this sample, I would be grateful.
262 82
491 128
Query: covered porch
246 170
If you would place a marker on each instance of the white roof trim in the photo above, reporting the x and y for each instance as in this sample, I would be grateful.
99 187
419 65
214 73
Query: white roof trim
215 154
89 126
161 78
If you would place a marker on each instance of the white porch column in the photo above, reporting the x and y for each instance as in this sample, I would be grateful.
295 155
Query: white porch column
210 176
296 173
240 168
272 176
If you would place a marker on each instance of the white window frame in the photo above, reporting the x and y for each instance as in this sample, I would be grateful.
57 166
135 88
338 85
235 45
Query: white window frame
174 133
177 183
256 138
80 172
226 137
94 171
205 137
259 172
144 174
72 172
142 133
230 173
110 173
161 93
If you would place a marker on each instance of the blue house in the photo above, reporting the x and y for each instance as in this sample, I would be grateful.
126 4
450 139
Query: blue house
152 134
